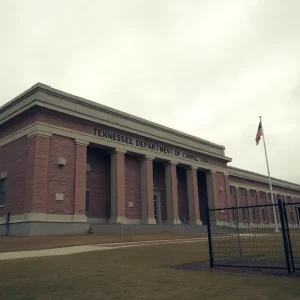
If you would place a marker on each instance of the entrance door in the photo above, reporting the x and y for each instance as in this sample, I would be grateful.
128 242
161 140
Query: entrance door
157 207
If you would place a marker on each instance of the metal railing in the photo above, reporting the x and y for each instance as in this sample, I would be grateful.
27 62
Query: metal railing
246 236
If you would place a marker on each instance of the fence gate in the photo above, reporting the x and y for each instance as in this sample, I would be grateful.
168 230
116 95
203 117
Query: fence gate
248 237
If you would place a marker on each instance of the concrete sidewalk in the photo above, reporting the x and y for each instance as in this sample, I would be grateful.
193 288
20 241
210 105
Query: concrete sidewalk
89 248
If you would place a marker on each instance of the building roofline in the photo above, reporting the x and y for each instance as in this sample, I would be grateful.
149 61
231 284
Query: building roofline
233 171
94 105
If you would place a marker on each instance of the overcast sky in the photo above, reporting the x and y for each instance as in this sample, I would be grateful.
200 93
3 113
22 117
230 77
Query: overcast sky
208 68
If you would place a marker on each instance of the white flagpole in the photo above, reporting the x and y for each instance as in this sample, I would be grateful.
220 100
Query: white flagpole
270 183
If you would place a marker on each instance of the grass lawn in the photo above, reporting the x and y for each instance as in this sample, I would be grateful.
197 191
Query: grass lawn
135 273
8 244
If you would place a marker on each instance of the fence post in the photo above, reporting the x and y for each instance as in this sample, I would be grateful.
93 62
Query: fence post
211 259
289 237
284 235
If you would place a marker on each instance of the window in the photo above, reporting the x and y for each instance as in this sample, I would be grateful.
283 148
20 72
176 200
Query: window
292 217
272 214
254 213
263 212
231 190
262 195
87 201
289 199
2 190
233 212
282 198
252 193
243 191
270 196
244 214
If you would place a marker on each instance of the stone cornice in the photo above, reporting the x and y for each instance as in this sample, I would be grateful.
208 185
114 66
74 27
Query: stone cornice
244 174
45 96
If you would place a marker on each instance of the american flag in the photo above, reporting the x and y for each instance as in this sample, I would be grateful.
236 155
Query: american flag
259 133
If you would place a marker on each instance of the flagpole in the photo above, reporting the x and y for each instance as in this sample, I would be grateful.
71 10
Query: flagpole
270 182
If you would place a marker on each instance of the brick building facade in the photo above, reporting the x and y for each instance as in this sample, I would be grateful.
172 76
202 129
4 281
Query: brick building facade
68 164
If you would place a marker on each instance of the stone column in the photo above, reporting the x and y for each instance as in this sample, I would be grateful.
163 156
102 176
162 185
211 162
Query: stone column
118 187
80 180
37 173
211 189
193 196
211 194
147 202
171 193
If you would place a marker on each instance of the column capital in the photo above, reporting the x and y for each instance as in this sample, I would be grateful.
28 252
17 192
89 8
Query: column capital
148 157
39 133
118 150
171 162
191 167
81 142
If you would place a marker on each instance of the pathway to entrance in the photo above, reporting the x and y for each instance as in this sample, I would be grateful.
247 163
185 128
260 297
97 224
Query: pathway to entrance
88 248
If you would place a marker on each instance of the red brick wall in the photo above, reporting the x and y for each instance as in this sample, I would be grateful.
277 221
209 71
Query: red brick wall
183 205
132 187
18 123
37 175
221 195
98 183
160 183
61 179
13 159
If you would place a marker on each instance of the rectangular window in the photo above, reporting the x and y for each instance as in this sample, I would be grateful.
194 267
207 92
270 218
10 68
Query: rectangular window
272 214
87 201
288 198
263 212
231 190
262 195
243 191
270 196
252 193
254 213
292 216
233 212
2 190
244 214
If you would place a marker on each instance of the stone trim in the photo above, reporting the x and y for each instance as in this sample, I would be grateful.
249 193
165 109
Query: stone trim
39 133
262 178
81 142
97 220
55 100
89 138
3 175
44 217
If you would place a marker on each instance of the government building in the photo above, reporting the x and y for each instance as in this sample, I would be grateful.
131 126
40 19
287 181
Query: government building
72 166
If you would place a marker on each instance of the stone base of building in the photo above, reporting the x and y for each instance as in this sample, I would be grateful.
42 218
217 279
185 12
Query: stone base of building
44 228
147 228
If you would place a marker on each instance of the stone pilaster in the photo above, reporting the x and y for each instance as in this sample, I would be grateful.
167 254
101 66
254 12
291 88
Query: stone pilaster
80 178
147 202
171 193
118 187
193 196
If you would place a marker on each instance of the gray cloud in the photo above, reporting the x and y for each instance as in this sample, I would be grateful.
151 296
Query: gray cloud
208 68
